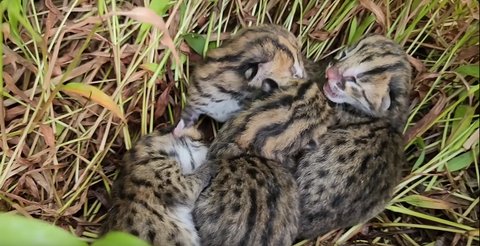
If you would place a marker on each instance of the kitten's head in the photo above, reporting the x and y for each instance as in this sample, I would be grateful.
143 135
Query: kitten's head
183 144
373 76
265 56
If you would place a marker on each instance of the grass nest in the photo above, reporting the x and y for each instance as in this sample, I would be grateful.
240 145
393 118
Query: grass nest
83 80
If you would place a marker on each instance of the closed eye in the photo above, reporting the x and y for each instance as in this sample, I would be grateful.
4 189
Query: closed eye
251 71
351 79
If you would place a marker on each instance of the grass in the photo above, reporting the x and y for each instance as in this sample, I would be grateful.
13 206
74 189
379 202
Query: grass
61 140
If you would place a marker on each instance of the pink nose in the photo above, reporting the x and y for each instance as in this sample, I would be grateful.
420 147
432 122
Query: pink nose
333 74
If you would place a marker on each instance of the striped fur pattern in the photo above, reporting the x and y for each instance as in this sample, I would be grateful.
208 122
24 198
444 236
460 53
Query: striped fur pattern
341 138
160 180
251 201
349 176
254 62
278 127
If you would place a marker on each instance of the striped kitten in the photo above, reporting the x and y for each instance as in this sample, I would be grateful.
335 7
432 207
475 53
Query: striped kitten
157 187
259 58
334 134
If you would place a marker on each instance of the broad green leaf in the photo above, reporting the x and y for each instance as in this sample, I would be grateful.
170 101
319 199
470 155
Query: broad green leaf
469 70
119 239
195 41
460 162
18 230
93 93
426 202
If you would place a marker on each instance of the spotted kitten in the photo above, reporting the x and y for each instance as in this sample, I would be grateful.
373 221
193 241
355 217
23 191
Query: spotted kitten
160 180
334 134
349 176
258 58
250 201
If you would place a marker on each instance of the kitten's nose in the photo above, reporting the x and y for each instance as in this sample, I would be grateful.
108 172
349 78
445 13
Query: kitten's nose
333 74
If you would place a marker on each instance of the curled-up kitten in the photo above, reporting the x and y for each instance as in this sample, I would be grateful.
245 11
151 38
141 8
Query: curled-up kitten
257 59
342 132
348 177
160 180
250 201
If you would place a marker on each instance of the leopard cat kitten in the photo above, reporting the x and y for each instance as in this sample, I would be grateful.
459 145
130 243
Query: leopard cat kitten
352 122
158 184
250 201
257 59
279 126
349 176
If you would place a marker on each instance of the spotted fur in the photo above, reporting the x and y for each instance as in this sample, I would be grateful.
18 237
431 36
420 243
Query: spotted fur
159 182
256 60
348 177
251 201
345 130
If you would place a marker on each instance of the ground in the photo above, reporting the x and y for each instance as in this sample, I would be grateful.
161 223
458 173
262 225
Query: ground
82 80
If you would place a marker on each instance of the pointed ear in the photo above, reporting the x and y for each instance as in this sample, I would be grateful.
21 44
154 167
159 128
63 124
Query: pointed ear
385 103
177 132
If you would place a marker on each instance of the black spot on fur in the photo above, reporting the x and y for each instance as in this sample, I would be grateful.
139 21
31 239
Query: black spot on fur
252 172
134 232
364 164
342 159
322 173
151 235
236 207
337 200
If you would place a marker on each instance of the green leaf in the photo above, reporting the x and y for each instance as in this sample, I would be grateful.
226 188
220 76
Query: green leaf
421 157
465 113
18 230
160 7
426 202
362 28
469 70
460 162
119 239
94 94
152 67
195 41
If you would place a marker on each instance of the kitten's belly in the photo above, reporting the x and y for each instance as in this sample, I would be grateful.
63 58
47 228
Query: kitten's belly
222 111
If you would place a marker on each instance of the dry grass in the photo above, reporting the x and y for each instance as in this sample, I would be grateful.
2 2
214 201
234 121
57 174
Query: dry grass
59 151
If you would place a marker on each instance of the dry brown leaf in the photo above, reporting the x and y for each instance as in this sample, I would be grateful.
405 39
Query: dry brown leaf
421 126
10 85
417 64
162 102
13 112
376 10
147 15
320 35
48 136
467 53
80 70
32 187
136 76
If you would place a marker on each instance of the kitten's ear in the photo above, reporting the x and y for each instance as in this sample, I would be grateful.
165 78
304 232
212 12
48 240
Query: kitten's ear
177 132
385 103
